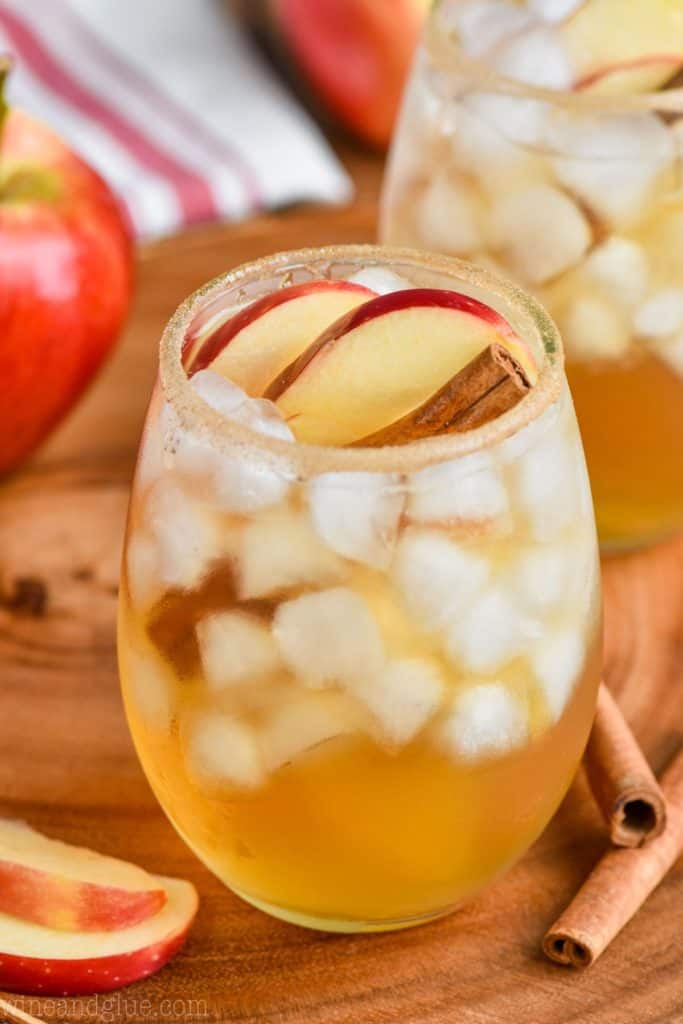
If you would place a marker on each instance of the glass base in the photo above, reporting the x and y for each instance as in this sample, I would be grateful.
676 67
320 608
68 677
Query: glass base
334 924
346 926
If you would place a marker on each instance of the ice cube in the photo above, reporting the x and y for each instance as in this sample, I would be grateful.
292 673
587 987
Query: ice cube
505 125
612 162
583 590
554 10
449 215
357 514
519 226
217 391
438 577
243 482
149 687
594 328
537 57
425 117
143 573
303 723
545 575
329 637
280 550
402 698
670 351
620 267
220 751
259 414
583 502
380 280
466 490
487 721
151 460
551 487
513 447
661 315
185 533
483 24
486 139
187 454
264 417
235 648
248 481
492 632
557 664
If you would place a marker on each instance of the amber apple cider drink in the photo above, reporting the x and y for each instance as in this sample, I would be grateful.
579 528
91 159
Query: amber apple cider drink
545 138
360 676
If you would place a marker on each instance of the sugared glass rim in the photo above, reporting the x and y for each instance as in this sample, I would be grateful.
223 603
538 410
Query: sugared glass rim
446 54
306 460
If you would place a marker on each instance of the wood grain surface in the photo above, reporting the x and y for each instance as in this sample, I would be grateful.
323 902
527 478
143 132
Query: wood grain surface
67 763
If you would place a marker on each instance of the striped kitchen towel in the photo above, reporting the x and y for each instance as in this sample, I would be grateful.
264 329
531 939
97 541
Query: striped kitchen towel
170 102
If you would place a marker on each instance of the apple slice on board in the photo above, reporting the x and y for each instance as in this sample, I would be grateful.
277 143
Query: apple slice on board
258 342
69 888
384 359
39 961
618 48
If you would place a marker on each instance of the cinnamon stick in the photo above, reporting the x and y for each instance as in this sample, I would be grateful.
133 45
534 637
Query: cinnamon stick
487 387
622 781
618 886
14 1015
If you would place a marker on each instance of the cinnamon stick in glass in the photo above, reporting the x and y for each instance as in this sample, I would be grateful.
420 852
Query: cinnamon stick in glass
618 885
622 781
487 387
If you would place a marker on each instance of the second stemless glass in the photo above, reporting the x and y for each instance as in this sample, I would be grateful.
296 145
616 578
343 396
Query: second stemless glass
578 198
359 681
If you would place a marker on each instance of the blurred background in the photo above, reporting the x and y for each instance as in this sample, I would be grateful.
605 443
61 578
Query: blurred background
205 110
204 119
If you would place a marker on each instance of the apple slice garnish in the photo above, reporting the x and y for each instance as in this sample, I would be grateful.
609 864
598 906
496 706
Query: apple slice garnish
69 888
619 48
386 358
629 78
40 961
258 342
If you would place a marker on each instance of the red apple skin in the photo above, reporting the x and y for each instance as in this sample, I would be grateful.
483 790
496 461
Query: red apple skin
392 302
65 281
408 298
221 338
66 904
356 54
672 61
40 961
31 976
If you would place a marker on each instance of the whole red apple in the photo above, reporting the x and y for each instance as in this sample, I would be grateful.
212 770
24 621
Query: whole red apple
356 54
65 280
353 54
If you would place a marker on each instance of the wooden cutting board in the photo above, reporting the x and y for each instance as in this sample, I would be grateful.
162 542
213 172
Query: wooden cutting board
67 764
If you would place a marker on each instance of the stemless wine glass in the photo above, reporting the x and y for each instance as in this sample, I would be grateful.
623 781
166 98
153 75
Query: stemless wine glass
577 195
359 680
